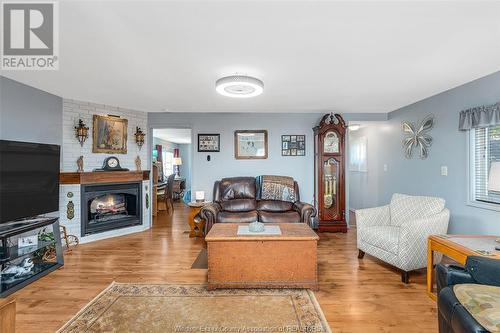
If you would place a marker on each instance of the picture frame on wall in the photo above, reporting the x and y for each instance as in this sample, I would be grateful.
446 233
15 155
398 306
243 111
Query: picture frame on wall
250 144
208 143
293 145
109 135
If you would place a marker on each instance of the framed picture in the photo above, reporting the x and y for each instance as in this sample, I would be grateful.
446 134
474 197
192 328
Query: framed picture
209 143
293 145
109 135
250 144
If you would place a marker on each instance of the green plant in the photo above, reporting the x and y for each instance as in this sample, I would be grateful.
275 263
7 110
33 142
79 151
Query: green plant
45 236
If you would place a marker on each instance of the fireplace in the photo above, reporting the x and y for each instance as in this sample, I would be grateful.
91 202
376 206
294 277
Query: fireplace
110 206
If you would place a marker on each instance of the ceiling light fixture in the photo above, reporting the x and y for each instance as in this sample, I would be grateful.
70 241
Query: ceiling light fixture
239 86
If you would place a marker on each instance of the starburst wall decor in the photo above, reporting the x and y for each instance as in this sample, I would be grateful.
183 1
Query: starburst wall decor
417 137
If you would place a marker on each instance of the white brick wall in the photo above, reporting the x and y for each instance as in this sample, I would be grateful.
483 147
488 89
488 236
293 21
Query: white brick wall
71 149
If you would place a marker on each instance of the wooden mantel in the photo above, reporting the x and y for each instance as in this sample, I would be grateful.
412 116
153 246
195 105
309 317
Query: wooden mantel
96 177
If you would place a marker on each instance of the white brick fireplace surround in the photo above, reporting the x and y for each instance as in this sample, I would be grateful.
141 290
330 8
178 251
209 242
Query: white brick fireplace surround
71 150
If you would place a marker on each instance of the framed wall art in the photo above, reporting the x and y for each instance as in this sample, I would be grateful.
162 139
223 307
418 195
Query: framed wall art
250 144
109 135
293 145
209 143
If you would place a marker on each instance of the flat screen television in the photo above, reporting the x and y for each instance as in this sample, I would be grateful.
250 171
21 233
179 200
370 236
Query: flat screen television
29 179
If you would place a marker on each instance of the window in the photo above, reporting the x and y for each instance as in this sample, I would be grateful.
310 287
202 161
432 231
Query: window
484 149
168 163
357 155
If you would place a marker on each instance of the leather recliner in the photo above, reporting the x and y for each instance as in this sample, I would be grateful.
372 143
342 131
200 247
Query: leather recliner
237 200
453 317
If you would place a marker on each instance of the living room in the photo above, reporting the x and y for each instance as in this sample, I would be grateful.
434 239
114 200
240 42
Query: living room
250 166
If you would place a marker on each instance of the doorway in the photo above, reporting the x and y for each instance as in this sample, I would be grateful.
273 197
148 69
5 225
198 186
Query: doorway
171 162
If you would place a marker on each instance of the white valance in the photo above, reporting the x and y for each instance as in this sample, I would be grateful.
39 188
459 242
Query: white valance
480 116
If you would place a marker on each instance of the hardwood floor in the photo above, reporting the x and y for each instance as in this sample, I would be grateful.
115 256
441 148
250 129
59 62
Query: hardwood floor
355 295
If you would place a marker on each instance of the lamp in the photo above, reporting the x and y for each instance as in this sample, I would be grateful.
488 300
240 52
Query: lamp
176 162
200 196
139 137
239 86
81 132
494 177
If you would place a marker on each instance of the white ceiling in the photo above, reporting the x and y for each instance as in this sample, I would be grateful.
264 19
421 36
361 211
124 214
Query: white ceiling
175 135
312 56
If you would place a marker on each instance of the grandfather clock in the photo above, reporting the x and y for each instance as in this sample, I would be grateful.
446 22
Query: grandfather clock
329 175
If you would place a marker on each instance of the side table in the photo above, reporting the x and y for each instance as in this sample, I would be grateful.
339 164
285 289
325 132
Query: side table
196 228
458 248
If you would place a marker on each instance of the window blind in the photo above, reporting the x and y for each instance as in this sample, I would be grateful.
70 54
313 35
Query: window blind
486 149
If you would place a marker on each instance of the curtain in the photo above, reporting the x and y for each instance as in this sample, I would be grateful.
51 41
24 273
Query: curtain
479 117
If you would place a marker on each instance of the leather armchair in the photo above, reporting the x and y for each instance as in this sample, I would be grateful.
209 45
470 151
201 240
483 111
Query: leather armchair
453 317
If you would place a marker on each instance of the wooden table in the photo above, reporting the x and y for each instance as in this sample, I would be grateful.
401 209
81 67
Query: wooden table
7 316
446 245
288 260
196 229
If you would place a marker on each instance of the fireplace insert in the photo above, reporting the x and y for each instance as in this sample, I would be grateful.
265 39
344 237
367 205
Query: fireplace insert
110 206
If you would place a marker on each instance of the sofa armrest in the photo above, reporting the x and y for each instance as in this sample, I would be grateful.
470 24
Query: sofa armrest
484 270
305 210
449 275
369 217
209 214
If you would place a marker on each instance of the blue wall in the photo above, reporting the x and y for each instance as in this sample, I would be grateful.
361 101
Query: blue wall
423 177
223 164
29 114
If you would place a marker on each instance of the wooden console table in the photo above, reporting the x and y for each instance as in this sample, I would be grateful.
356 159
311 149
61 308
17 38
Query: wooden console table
458 248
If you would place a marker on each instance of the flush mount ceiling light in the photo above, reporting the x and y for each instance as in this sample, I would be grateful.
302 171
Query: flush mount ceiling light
239 86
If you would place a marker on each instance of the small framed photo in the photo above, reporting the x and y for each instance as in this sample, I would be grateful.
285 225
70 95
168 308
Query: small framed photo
293 145
209 143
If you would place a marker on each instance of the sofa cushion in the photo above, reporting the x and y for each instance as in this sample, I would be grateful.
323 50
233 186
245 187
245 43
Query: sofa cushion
482 302
274 206
406 207
290 216
238 205
383 237
232 217
237 188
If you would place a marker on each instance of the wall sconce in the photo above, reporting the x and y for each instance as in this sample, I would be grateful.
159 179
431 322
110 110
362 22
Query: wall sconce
81 132
139 137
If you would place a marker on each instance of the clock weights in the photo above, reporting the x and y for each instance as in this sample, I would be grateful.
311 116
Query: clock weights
329 173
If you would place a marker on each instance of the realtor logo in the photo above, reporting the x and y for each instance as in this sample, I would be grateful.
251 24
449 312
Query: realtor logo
30 36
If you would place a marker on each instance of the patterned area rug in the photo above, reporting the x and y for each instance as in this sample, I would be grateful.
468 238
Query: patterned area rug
192 308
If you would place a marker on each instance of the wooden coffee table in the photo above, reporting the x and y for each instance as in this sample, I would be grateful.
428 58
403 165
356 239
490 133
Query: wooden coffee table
458 248
288 260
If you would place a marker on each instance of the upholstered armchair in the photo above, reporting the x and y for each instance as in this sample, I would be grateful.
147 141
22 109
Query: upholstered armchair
397 233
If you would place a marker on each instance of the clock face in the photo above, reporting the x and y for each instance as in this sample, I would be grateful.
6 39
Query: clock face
112 162
331 143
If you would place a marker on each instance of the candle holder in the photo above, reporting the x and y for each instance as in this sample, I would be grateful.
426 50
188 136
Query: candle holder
81 132
139 137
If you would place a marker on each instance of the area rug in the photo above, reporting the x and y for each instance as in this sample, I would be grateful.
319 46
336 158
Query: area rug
192 308
201 261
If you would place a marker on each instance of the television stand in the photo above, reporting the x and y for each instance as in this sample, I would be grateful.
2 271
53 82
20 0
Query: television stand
11 255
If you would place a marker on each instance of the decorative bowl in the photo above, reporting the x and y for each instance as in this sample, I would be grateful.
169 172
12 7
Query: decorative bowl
256 227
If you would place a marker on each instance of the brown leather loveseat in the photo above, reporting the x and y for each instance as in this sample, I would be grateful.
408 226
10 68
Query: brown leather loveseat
238 200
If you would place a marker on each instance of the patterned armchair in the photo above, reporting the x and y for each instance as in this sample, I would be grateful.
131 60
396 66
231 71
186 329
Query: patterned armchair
397 233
